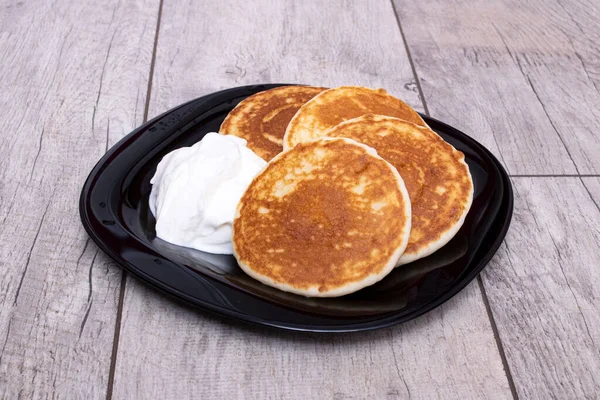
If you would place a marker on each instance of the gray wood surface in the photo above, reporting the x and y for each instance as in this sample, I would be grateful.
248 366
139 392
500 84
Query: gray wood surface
73 80
543 288
168 351
508 73
521 77
592 184
204 46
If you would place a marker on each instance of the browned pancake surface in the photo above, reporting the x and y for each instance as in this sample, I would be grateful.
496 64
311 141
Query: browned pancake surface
262 118
336 105
435 174
324 215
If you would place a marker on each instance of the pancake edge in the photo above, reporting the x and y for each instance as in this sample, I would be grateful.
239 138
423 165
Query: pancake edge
448 234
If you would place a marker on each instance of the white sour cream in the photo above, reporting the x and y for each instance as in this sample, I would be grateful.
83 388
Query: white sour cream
195 192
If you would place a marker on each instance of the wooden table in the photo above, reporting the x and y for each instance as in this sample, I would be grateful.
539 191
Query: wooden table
523 78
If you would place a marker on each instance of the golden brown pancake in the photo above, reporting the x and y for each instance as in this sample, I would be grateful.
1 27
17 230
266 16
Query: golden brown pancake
262 118
333 106
323 219
435 173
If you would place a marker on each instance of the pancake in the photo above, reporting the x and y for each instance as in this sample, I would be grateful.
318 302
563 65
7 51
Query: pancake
323 219
435 173
262 118
337 105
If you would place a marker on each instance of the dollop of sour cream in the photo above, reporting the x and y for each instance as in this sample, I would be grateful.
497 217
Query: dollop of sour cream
196 189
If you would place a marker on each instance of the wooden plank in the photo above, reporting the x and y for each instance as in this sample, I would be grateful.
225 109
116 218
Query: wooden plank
205 47
169 351
544 291
507 73
592 184
74 79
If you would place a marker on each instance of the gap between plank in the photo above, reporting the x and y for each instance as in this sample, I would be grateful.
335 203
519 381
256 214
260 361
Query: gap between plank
486 302
507 372
115 348
555 176
410 60
153 61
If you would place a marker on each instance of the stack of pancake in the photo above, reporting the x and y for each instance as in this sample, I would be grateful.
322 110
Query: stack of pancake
356 184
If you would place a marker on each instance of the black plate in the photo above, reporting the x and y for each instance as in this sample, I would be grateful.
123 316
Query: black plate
114 211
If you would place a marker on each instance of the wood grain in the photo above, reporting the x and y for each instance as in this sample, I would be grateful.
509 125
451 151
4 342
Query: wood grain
205 47
543 288
168 351
69 88
520 77
508 73
592 184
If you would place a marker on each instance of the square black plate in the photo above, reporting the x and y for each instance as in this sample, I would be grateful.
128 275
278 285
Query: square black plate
114 211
